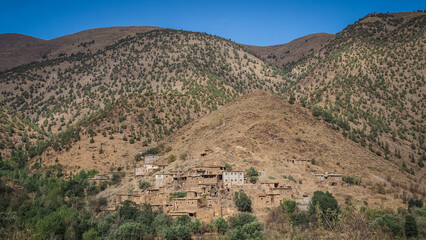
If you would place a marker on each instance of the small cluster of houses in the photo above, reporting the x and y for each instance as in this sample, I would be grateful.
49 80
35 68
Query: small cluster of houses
206 192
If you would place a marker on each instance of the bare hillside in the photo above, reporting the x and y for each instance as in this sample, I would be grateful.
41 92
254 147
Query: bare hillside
284 55
18 49
264 131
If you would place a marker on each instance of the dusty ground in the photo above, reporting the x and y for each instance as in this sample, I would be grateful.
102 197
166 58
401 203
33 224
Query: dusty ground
262 130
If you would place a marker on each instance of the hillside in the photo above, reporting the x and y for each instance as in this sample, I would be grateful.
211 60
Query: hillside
263 131
58 92
18 49
284 55
16 131
369 83
337 113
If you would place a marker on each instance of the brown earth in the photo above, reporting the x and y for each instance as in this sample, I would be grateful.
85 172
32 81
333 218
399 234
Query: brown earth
261 130
18 49
284 54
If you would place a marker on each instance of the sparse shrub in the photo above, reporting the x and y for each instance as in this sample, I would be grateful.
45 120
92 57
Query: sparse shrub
144 184
138 157
171 158
183 156
178 195
291 178
350 180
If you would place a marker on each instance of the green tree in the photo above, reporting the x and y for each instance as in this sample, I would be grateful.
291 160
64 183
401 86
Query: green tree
57 224
196 226
130 230
288 206
326 204
389 223
252 231
411 227
241 219
252 174
91 234
300 219
242 201
221 225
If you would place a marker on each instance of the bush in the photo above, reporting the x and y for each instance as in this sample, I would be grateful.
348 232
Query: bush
171 158
412 203
300 219
326 204
115 178
288 206
130 230
389 223
252 230
138 157
178 195
291 178
90 234
350 180
252 174
241 219
151 151
183 156
221 225
242 201
411 227
144 184
196 226
128 211
176 232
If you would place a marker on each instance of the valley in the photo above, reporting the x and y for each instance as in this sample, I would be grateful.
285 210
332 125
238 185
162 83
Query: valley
186 124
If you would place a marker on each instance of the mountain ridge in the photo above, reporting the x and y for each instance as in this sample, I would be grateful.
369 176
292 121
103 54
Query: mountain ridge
35 49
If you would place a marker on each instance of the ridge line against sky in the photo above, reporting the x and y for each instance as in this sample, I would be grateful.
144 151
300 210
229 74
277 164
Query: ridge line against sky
258 23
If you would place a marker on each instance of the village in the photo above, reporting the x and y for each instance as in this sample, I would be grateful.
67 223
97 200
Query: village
207 192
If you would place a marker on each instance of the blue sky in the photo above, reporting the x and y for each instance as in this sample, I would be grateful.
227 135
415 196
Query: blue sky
249 22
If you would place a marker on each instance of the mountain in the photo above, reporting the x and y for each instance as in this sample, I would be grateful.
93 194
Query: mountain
208 68
138 90
350 104
284 55
262 130
361 82
369 83
18 49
